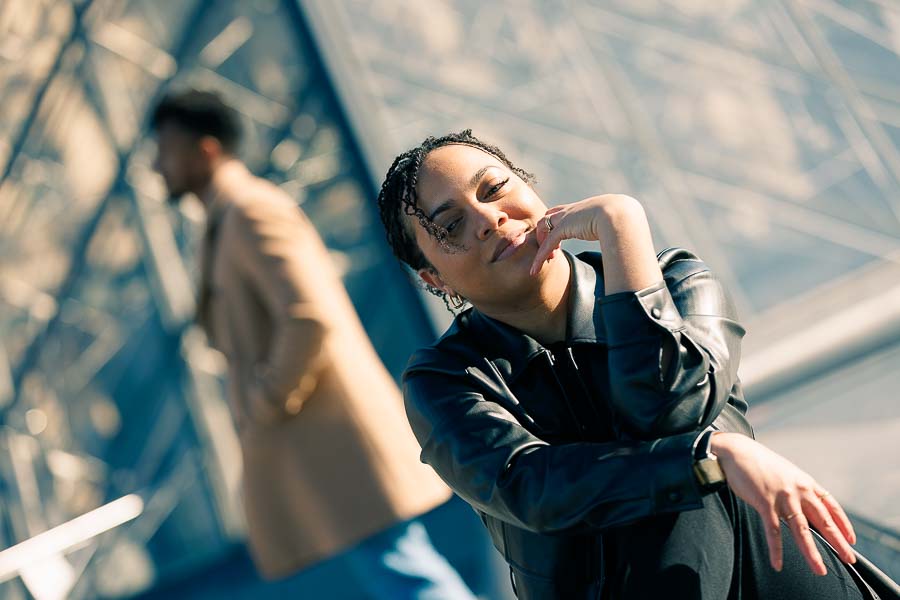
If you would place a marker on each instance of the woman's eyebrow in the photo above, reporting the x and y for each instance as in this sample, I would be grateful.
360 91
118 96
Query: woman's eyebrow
445 205
478 174
448 204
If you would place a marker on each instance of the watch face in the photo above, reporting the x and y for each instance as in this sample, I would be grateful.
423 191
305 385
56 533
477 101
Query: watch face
708 472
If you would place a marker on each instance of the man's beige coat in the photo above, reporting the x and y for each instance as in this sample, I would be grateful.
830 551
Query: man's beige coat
329 457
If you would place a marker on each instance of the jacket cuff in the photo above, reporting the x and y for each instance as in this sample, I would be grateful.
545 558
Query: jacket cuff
260 407
632 316
286 399
675 486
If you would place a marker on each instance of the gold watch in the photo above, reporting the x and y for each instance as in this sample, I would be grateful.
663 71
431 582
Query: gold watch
707 469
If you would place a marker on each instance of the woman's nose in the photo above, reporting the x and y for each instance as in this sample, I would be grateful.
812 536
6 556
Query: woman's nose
491 220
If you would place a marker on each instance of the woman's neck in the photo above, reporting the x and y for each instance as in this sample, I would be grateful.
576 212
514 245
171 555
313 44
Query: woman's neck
544 314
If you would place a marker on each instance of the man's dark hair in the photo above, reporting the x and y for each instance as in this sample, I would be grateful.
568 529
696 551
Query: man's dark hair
200 113
398 197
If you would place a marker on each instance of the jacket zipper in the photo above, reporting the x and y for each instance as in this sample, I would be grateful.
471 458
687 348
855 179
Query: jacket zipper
579 426
584 390
601 561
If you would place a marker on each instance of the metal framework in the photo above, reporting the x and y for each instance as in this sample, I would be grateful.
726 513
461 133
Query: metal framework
110 390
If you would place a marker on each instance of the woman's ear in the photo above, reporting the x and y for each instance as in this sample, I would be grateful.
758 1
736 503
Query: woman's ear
431 277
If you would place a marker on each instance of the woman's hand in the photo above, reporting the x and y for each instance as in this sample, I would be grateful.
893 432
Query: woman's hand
778 489
619 223
575 221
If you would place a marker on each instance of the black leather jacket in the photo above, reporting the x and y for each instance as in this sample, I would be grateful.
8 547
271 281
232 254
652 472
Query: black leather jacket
552 445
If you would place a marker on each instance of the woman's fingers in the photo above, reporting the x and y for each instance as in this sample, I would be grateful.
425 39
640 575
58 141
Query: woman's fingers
542 230
555 209
799 527
838 514
773 538
549 237
771 483
548 245
821 519
563 222
551 217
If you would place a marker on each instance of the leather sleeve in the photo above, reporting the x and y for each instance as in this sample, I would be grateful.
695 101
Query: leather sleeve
481 451
674 349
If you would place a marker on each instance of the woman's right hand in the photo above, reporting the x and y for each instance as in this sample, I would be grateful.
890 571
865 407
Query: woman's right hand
619 223
573 221
778 489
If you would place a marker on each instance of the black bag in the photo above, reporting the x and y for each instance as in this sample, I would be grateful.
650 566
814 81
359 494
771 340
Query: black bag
867 576
870 577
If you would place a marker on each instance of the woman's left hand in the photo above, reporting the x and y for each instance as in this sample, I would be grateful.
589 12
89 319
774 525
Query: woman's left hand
779 490
582 220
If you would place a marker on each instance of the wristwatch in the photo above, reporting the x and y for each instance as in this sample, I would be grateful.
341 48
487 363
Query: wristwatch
707 469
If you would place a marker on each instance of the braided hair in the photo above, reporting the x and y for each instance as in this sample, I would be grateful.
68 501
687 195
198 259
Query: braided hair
398 198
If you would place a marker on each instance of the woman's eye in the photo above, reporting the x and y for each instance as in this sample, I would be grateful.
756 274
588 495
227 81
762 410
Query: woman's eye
453 225
496 188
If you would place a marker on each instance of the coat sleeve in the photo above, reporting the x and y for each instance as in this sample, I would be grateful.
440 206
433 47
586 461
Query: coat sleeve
674 350
481 451
270 250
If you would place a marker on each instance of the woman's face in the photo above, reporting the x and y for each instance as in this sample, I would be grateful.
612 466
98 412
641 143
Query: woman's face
490 215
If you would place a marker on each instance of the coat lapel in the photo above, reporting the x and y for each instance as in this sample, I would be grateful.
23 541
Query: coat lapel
216 199
207 261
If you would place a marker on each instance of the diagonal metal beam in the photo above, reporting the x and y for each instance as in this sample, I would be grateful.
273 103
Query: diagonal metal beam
682 216
37 102
339 88
32 352
886 153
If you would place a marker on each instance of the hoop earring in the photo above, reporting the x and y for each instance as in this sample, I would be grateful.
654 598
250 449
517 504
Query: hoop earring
456 301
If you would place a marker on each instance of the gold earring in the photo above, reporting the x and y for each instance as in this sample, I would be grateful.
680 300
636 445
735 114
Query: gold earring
456 301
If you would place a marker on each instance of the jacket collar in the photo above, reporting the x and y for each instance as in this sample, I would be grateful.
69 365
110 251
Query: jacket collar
217 197
511 351
585 322
221 191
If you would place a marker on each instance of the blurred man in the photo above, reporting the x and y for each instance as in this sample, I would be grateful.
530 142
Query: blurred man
330 465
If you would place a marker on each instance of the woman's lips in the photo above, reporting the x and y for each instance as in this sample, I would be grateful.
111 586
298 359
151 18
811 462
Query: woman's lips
508 247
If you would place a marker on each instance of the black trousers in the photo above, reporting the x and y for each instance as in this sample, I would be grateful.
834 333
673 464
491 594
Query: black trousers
716 553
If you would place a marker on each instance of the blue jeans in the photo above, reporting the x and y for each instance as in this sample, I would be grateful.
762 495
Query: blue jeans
400 563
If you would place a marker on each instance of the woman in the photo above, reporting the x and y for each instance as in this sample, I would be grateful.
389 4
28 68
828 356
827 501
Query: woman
588 407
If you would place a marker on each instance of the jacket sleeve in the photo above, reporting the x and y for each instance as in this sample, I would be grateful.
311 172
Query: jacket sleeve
269 248
481 451
674 350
